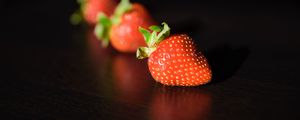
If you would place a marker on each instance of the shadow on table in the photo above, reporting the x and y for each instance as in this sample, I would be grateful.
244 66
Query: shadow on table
225 61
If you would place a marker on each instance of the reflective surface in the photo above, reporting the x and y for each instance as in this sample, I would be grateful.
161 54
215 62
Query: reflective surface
53 70
180 104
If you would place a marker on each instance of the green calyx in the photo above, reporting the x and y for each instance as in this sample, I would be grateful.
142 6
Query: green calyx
105 23
77 16
102 29
152 39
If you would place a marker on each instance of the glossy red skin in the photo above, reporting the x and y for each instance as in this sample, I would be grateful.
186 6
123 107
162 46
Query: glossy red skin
93 7
176 62
180 104
125 37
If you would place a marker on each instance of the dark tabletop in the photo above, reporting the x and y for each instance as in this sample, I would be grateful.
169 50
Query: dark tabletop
53 70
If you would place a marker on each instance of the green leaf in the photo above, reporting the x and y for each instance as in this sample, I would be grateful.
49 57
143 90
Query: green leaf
104 20
164 33
80 1
153 38
99 31
155 28
123 7
82 4
76 18
144 52
146 34
102 28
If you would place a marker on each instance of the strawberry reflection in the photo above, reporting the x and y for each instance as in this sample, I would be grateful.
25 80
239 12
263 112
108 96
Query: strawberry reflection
99 56
97 53
100 61
132 79
172 103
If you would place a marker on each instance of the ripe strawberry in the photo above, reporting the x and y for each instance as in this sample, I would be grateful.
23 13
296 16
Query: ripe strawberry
93 7
122 27
174 61
89 9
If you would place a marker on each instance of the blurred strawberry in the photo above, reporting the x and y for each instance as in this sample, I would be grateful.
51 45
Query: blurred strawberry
122 28
89 10
131 79
172 103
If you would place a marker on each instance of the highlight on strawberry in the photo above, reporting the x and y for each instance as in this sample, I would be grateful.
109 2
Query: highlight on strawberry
89 9
121 29
173 60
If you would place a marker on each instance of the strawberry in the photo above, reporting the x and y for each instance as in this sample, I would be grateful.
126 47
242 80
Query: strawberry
173 60
89 9
122 27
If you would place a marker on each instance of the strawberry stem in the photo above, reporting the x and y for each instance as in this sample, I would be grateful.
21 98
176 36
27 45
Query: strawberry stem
152 39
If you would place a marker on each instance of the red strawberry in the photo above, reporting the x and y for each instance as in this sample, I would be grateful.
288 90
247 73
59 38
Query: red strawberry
89 10
180 104
122 27
174 61
93 7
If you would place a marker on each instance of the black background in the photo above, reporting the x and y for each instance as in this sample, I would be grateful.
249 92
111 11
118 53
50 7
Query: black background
49 70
